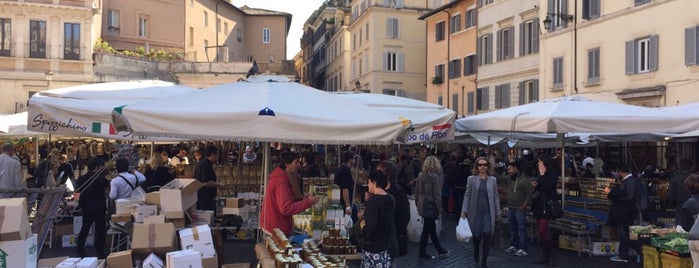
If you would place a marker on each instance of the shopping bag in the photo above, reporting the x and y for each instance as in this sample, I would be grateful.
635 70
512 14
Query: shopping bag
463 230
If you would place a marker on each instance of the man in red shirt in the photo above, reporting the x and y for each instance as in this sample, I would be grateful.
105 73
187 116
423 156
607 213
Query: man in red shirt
279 206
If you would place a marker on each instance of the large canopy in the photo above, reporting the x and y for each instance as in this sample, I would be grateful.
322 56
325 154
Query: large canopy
431 122
15 125
86 110
263 108
576 114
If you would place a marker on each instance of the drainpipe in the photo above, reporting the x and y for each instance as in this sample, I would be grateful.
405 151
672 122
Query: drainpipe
448 33
217 30
575 47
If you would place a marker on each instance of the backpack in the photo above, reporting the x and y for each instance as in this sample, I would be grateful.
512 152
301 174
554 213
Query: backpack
641 196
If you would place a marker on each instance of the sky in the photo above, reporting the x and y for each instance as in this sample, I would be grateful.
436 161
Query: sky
300 11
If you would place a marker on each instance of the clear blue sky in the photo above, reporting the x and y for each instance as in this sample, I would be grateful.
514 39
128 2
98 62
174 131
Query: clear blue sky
300 11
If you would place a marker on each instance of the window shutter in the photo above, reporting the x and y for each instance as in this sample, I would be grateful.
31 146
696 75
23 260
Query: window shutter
469 102
489 49
486 99
521 39
499 50
511 42
396 29
653 53
506 95
535 91
630 57
400 62
399 3
400 93
535 36
586 9
690 46
522 92
590 63
479 53
595 11
389 27
564 10
498 96
386 91
549 10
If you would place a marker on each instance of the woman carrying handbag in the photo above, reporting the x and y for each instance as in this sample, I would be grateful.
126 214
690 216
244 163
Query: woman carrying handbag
428 194
482 206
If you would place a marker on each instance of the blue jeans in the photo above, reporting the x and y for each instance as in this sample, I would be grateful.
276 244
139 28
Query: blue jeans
518 228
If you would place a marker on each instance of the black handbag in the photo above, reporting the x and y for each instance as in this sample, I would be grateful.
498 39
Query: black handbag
429 209
554 209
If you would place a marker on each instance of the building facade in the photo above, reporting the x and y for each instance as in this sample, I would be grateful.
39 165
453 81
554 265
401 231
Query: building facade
337 53
451 55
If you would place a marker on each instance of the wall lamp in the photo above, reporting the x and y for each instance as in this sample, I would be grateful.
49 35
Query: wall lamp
548 20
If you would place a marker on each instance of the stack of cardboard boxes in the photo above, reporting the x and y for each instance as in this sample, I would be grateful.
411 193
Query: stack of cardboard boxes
18 246
153 240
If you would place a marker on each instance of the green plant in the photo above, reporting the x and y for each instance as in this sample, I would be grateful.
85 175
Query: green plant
437 80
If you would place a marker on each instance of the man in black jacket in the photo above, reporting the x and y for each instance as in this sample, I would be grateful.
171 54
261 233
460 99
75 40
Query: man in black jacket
677 193
204 172
93 204
623 212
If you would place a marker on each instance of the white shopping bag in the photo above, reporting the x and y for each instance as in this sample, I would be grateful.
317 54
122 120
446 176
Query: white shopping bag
463 231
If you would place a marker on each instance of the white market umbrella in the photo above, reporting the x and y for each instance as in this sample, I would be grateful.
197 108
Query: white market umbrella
86 110
431 122
15 125
263 108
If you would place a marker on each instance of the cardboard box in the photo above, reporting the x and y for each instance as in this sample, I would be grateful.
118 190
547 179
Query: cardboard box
174 202
69 241
153 261
149 238
184 259
155 219
120 259
20 253
50 262
200 217
14 222
87 262
179 223
123 206
211 262
571 242
153 198
69 263
198 238
121 217
235 202
188 186
605 248
140 212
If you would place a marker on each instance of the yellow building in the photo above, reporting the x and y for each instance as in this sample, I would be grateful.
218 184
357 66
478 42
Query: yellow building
451 55
642 52
387 44
337 53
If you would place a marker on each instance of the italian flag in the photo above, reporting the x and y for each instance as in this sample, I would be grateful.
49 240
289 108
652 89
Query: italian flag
103 128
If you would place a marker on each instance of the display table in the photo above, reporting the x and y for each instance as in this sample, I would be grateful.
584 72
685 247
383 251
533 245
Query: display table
578 233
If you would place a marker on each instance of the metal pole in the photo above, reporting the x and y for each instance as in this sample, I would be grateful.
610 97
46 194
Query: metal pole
563 168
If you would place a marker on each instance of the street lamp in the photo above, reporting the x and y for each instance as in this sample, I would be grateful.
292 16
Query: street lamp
561 16
49 77
358 85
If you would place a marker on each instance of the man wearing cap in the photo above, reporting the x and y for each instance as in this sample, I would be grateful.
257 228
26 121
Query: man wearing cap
518 192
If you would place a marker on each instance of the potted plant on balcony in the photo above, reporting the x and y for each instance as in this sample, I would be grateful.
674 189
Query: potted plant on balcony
437 80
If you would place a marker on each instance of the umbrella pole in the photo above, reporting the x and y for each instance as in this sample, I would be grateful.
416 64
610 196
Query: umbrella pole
563 169
263 184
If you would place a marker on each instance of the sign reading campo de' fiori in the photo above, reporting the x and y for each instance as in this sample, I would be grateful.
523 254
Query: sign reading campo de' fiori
436 132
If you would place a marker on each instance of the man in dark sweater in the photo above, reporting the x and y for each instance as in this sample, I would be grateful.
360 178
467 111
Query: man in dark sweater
93 204
204 172
677 193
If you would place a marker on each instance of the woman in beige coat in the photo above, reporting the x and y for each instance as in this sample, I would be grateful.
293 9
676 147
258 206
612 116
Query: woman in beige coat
482 206
428 199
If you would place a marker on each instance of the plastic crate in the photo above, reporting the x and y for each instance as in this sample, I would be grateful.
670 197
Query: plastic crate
660 241
651 257
672 261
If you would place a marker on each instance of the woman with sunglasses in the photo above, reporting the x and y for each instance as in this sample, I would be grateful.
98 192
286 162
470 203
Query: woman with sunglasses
482 206
544 189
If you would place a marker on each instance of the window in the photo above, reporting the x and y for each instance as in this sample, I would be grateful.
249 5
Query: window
691 45
591 9
265 35
354 41
438 73
440 100
218 25
529 37
558 73
206 19
484 2
469 102
5 37
143 27
470 65
113 21
439 31
557 7
455 24
393 3
360 66
470 18
37 39
506 43
485 49
393 62
71 39
640 2
482 98
360 37
366 31
393 92
191 2
528 91
225 28
642 55
593 65
502 96
239 34
392 29
455 102
454 68
191 36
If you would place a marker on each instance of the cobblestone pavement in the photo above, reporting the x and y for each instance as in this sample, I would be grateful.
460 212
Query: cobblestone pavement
462 254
